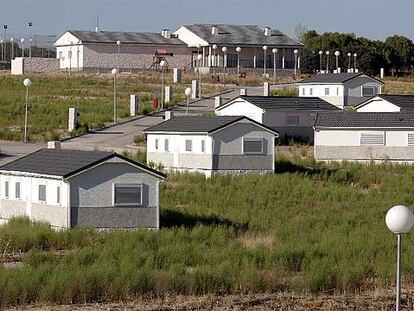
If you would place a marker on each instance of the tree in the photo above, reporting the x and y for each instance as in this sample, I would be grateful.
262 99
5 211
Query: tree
399 52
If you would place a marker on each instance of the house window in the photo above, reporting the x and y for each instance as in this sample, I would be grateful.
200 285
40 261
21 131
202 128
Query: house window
188 145
42 193
311 91
203 146
6 189
127 194
292 120
60 55
156 144
368 90
252 146
17 190
303 91
337 91
373 139
58 194
166 145
410 139
327 91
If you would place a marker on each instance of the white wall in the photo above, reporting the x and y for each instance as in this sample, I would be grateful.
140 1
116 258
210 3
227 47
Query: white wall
335 97
240 107
177 143
63 53
189 38
379 105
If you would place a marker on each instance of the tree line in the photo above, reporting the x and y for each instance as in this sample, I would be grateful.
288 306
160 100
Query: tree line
395 54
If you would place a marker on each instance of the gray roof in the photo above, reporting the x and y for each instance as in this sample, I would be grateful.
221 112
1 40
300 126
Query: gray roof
64 163
242 35
124 37
199 124
287 103
402 101
333 78
364 120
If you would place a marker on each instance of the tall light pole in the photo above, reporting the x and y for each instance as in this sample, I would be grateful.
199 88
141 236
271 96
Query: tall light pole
12 49
238 50
199 58
2 50
296 62
349 60
22 42
274 51
355 56
224 50
320 60
399 220
215 59
30 50
337 59
187 93
264 60
162 65
26 83
327 61
114 73
118 45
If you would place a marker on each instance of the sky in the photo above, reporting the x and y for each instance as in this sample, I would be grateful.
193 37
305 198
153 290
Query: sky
375 19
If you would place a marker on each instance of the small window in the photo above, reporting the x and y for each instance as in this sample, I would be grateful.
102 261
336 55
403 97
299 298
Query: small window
327 91
128 194
70 54
17 190
410 139
311 91
203 146
337 91
6 189
303 91
368 91
372 139
42 193
292 120
156 144
58 194
252 146
166 145
60 55
188 145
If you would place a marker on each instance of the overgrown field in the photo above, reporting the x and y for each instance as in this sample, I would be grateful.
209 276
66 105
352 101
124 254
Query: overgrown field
307 228
50 97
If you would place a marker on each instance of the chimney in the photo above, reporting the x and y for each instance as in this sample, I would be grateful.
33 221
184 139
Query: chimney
214 30
169 114
166 33
53 145
267 31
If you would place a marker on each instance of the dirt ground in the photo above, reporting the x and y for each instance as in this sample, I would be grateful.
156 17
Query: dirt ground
378 300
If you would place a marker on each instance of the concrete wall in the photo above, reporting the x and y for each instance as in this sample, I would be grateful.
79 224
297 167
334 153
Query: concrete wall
26 65
379 105
92 197
335 97
353 89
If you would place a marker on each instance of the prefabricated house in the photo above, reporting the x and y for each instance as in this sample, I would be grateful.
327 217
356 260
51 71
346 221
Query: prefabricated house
289 116
212 145
341 89
387 103
364 136
72 188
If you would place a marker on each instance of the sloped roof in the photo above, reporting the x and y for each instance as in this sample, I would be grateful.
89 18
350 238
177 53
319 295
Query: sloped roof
364 120
65 163
402 101
242 35
286 103
199 124
124 37
334 78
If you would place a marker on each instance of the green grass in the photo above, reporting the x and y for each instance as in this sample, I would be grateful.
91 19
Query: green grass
308 228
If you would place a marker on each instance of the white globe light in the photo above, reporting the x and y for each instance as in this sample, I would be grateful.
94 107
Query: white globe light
199 57
31 40
214 46
1 41
11 39
118 42
198 46
274 51
224 49
349 54
337 53
114 71
327 53
163 63
399 219
22 40
296 51
355 55
238 49
188 91
265 48
320 52
27 82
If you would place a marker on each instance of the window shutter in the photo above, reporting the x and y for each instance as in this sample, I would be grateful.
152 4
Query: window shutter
410 139
253 146
372 139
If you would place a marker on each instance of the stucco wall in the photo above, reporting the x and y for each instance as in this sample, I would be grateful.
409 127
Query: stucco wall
12 208
57 216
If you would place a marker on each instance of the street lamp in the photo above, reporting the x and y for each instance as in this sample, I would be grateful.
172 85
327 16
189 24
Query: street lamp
320 61
187 93
12 48
26 83
349 60
30 50
114 73
22 41
264 60
215 59
2 50
355 56
399 220
224 50
296 62
337 59
199 58
238 50
163 63
274 51
327 61
118 45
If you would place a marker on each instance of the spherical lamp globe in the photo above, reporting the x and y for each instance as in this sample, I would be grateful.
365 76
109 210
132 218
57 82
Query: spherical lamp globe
188 91
399 219
349 54
238 49
327 52
27 82
295 51
274 51
199 57
224 49
214 46
337 53
163 63
114 71
320 52
265 48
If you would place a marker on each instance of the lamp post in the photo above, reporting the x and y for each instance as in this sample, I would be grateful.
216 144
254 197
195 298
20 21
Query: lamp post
118 46
399 220
26 83
187 93
264 60
296 62
199 58
162 65
238 50
274 51
12 49
337 59
114 73
215 59
22 42
320 61
349 60
30 50
224 50
2 50
327 61
355 56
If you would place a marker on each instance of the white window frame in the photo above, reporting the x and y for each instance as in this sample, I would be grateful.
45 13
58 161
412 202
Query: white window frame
191 145
383 143
20 190
252 139
289 117
368 87
327 91
166 145
120 185
410 139
38 193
